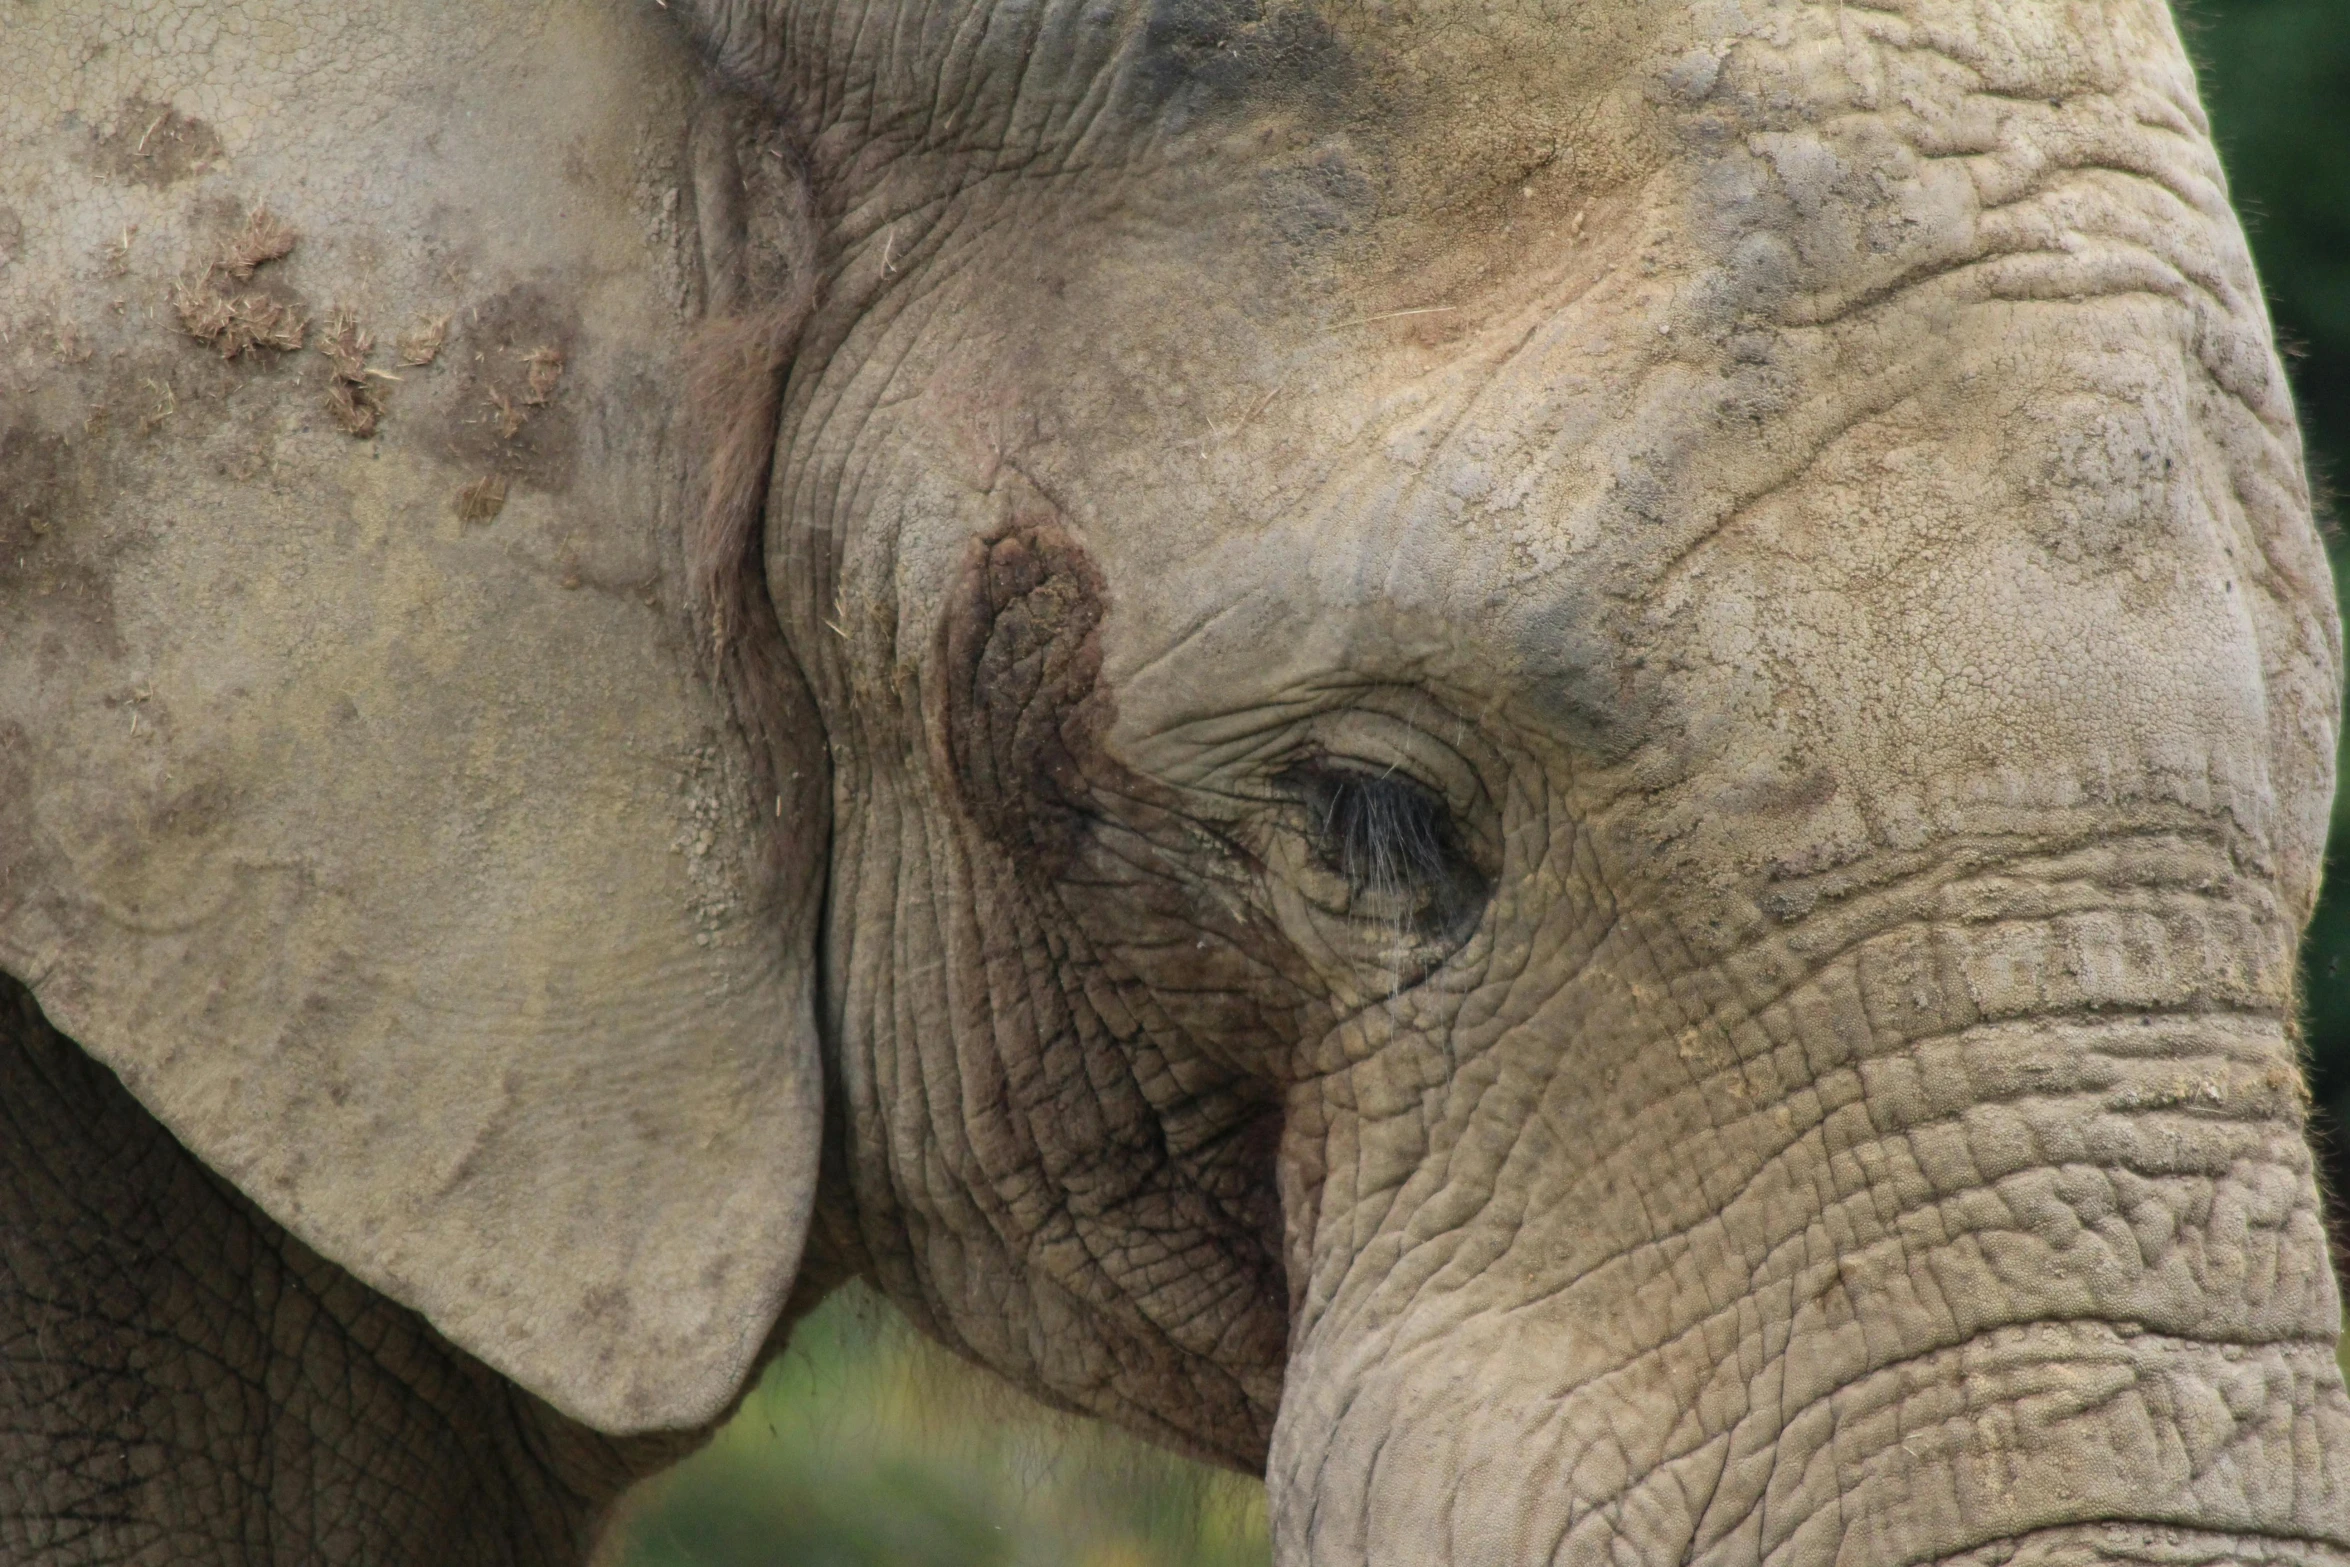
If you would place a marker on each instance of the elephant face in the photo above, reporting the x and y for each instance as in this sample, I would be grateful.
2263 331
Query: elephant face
1555 769
1677 685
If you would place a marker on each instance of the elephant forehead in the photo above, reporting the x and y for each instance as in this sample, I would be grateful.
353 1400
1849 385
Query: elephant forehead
1937 343
1579 433
1479 267
1814 202
1360 119
2034 492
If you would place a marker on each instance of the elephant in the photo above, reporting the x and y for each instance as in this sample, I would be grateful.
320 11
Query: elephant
1549 765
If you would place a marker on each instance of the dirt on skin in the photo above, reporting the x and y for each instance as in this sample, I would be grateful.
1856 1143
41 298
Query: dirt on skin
153 144
510 417
36 486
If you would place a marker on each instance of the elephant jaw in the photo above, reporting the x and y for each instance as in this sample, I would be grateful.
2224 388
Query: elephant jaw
1893 1277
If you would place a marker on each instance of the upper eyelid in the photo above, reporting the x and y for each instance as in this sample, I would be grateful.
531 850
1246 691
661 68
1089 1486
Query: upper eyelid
1453 802
1356 766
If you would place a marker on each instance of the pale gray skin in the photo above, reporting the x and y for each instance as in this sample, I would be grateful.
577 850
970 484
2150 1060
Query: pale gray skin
1794 507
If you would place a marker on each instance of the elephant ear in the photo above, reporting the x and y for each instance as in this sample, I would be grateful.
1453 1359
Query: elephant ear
364 803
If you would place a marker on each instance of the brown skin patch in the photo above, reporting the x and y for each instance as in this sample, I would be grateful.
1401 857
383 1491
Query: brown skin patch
1027 711
48 494
482 500
38 492
508 350
577 171
1138 865
153 144
124 422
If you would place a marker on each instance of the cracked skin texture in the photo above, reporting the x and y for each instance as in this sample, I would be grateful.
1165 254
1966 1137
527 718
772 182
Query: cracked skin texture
1805 496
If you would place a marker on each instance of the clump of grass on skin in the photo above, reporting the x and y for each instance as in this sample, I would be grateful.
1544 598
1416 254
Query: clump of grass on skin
237 324
483 499
351 394
346 343
262 240
421 344
355 405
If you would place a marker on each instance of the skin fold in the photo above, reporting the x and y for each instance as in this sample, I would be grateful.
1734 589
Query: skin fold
1551 768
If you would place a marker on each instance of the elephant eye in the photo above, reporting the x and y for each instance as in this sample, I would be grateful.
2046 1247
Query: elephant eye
1392 843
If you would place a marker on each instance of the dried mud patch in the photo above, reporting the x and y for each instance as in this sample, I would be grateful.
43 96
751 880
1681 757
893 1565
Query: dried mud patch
514 413
41 493
153 144
89 459
48 498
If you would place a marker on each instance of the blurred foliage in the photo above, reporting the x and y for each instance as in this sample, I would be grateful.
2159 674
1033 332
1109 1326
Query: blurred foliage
2276 79
863 1448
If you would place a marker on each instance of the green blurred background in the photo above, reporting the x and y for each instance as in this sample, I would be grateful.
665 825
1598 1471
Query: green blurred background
864 1448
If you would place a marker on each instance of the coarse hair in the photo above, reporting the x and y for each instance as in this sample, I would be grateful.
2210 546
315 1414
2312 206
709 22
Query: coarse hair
737 367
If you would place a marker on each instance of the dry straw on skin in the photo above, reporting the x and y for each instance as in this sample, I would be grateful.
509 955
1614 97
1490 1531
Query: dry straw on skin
510 418
483 499
356 406
115 254
239 323
346 343
351 395
421 344
263 239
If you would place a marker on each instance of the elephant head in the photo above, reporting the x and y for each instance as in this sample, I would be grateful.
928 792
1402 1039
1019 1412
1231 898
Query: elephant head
1551 766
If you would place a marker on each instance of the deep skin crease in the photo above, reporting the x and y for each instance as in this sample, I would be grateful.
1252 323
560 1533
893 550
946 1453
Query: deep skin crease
1571 756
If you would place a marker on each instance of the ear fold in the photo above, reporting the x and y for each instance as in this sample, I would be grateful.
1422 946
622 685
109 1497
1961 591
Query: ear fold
402 860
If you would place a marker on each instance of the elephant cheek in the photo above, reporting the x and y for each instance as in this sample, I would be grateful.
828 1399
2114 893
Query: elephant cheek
1973 1234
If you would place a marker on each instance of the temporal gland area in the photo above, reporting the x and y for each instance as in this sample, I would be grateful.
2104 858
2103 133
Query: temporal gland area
1339 850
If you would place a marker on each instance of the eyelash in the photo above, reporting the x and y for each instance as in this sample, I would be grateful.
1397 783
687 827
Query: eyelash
1395 845
1381 832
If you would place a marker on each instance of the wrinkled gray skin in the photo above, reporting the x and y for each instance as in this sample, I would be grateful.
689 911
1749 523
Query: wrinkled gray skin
1552 767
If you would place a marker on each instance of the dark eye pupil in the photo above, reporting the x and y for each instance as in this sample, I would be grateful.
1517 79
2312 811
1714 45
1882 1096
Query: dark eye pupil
1385 835
1392 842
